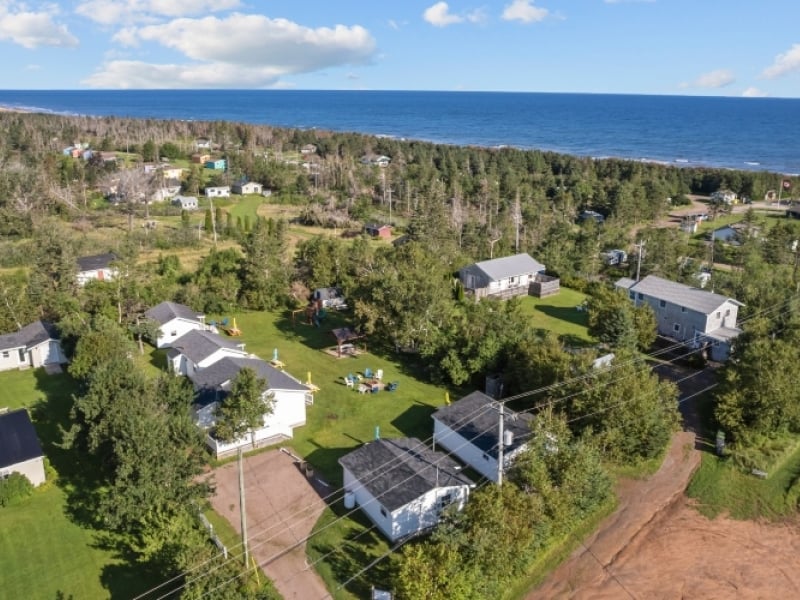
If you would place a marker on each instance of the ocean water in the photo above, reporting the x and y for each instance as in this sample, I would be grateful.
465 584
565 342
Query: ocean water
737 133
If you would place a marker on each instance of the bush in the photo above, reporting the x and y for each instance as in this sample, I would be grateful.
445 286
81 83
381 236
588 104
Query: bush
14 489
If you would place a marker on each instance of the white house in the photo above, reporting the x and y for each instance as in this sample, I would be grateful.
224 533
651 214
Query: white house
505 277
376 161
198 349
247 187
35 345
402 485
469 429
223 191
172 172
97 267
185 202
724 197
20 450
686 313
174 320
202 143
286 396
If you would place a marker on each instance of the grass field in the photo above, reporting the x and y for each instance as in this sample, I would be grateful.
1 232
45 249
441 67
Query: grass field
44 550
559 314
721 487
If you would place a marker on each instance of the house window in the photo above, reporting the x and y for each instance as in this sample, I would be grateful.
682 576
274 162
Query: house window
173 333
383 512
5 354
683 309
719 314
485 456
22 355
728 313
632 295
512 280
662 303
676 328
641 296
445 501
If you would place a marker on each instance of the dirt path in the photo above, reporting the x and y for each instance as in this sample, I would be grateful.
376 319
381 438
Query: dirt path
282 508
656 545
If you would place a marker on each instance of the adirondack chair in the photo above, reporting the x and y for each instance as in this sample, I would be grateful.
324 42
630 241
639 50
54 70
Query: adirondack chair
368 373
349 382
392 386
379 374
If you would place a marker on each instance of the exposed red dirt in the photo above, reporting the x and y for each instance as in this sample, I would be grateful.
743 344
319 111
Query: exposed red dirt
656 545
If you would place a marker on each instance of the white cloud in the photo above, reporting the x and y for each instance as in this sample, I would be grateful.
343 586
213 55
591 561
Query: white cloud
784 63
33 67
712 79
439 15
477 16
116 12
524 11
130 74
754 92
33 28
239 50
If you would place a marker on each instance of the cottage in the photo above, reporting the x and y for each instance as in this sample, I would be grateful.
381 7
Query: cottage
106 157
217 164
329 297
96 267
174 320
688 314
505 277
247 187
378 231
35 345
200 159
591 215
223 191
202 143
376 161
469 429
198 349
724 197
286 396
20 450
186 202
308 149
402 485
172 173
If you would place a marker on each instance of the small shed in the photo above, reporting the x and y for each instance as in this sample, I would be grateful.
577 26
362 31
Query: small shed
378 231
20 450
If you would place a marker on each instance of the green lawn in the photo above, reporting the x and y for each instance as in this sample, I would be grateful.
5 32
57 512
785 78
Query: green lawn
246 206
44 550
559 314
721 487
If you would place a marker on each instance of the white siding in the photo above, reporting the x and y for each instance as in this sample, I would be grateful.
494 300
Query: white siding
174 329
9 359
418 515
46 353
100 274
33 469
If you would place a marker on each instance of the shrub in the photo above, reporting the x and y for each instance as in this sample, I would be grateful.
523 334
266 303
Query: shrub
14 489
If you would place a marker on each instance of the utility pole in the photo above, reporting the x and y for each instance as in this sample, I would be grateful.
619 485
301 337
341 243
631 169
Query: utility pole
640 247
213 220
500 444
243 511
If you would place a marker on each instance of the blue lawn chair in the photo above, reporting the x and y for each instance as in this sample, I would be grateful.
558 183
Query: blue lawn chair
368 373
392 386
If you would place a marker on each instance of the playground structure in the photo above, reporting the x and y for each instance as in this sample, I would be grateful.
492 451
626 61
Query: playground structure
314 313
232 330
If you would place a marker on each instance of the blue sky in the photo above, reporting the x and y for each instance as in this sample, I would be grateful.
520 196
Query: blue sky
692 47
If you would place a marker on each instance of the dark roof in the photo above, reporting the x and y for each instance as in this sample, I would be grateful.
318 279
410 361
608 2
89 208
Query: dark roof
477 421
225 369
345 334
167 311
375 227
96 261
31 335
18 441
327 293
399 471
198 345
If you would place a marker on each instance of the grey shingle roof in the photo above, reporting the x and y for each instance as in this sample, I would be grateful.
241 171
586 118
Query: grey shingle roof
167 311
226 369
18 441
96 261
476 420
510 266
398 471
29 336
198 345
680 294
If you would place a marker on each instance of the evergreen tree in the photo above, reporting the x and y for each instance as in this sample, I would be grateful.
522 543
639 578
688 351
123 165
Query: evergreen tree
243 409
